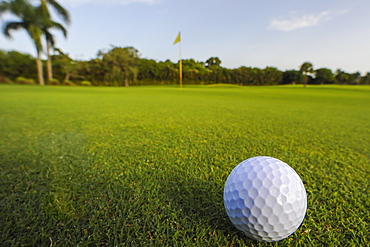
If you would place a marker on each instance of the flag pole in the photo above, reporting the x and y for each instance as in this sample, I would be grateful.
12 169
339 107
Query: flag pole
180 65
178 40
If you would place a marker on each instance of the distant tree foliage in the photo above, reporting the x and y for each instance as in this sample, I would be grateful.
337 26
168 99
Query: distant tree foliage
37 22
123 66
324 76
212 62
14 64
306 68
292 77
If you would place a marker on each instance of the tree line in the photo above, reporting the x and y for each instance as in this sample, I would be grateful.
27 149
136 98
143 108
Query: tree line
123 66
37 21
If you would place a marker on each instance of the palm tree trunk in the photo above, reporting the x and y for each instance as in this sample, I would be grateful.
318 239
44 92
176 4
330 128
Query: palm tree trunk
39 69
66 77
48 63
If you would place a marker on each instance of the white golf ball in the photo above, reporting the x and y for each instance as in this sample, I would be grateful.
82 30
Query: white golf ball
265 198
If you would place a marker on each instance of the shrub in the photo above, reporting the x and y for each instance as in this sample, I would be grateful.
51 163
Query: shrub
68 83
54 82
24 81
85 83
5 80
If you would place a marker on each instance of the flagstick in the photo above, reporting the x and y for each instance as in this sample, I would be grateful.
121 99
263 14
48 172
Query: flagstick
180 66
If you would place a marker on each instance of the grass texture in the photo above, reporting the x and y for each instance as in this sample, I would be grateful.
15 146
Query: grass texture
146 166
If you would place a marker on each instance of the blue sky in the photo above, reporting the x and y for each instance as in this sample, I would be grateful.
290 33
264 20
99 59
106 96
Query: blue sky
254 33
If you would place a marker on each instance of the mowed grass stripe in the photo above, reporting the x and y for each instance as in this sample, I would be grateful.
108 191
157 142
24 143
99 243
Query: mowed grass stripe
146 165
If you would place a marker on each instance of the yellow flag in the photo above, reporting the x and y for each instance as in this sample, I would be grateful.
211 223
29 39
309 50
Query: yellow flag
178 39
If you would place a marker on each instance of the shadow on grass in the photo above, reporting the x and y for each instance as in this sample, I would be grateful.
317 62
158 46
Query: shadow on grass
201 202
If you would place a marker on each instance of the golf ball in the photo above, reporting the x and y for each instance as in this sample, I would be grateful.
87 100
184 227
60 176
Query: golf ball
265 198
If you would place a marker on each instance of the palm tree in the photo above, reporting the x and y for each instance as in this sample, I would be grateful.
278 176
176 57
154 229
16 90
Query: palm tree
48 24
29 20
305 69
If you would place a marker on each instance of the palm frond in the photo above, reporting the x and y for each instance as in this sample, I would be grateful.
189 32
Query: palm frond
62 12
60 27
59 51
43 11
49 37
20 8
4 6
9 26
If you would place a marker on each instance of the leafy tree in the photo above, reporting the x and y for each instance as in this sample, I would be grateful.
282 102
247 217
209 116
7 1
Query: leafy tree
148 69
272 76
195 72
213 61
168 71
306 68
29 20
292 77
96 71
121 65
64 64
14 64
201 72
242 76
190 70
354 78
257 77
82 71
216 75
324 76
366 79
341 77
3 63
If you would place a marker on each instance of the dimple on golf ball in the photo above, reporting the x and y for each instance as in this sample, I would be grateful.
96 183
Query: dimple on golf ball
265 198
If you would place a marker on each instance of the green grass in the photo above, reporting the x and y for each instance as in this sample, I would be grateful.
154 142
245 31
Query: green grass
147 165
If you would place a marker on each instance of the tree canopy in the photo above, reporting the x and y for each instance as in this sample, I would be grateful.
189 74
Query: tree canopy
120 66
37 22
306 68
123 66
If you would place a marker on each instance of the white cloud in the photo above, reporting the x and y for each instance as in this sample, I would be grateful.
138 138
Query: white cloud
296 22
121 2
